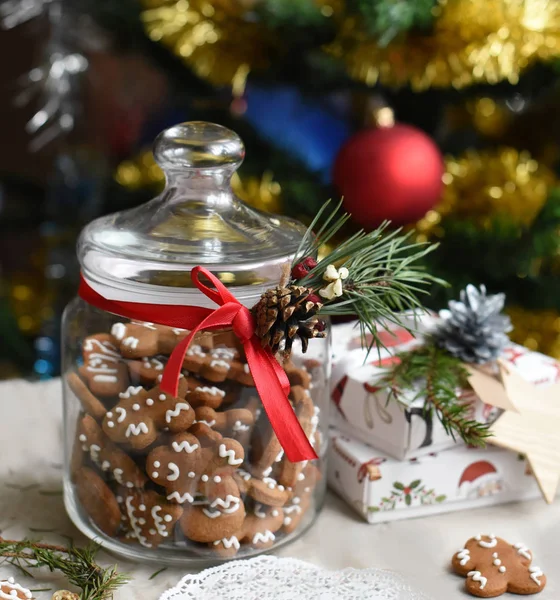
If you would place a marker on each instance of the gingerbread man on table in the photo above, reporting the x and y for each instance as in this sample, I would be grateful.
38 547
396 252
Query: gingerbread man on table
493 566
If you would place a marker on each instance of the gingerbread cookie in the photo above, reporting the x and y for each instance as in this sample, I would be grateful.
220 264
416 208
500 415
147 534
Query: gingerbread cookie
98 501
201 394
191 464
141 415
109 457
146 370
143 339
265 491
228 422
493 566
103 370
258 531
91 404
149 517
14 591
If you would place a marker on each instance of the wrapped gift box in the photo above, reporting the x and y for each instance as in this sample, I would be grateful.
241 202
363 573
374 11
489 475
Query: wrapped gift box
382 489
402 429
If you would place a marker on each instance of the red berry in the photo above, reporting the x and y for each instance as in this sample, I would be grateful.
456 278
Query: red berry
309 262
320 325
315 299
299 271
406 490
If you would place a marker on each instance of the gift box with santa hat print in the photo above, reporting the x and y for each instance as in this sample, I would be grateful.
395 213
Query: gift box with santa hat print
381 488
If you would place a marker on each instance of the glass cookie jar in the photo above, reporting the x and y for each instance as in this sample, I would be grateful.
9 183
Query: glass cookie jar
196 476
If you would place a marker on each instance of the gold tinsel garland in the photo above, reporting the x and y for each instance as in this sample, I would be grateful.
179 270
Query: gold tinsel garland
472 41
482 186
215 38
539 330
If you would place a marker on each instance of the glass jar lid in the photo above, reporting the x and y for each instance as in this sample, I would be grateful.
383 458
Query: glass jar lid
196 220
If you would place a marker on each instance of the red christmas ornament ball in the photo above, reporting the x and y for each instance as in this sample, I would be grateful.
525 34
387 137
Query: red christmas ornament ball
391 173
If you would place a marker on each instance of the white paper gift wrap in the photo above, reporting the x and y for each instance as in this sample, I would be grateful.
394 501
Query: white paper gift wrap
382 489
402 429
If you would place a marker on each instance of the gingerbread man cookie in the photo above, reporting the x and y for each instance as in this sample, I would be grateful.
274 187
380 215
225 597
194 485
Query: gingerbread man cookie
149 517
146 370
191 464
258 531
103 369
98 501
265 491
11 590
109 457
143 339
91 404
493 566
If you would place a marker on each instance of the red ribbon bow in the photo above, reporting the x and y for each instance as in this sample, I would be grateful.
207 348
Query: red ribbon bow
270 379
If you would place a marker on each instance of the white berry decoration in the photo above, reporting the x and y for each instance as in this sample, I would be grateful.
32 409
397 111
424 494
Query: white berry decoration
335 276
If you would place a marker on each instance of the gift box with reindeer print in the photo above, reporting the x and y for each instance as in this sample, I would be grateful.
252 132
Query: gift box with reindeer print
363 410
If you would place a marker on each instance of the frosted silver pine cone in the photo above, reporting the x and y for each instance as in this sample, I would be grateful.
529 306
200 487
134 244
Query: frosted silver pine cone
474 328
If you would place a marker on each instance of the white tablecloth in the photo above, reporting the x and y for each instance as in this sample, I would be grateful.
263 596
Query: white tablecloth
420 549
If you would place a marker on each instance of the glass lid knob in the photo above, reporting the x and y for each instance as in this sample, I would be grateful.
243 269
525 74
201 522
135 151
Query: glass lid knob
198 145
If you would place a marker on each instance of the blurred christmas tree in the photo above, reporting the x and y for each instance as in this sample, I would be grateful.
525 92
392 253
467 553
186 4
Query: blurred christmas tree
437 114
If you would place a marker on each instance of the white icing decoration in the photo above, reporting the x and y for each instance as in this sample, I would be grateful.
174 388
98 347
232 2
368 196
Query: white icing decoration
175 412
158 521
105 347
104 378
220 363
118 473
134 522
230 505
522 550
279 456
502 569
296 500
162 397
149 402
266 536
122 414
168 518
145 324
184 446
131 391
213 391
152 532
82 438
142 521
228 542
155 474
238 426
464 556
211 514
301 477
287 520
110 424
496 562
281 488
136 429
15 588
118 330
294 508
217 479
174 472
156 364
157 464
244 474
274 513
142 507
246 369
204 478
94 451
259 512
131 342
223 353
105 465
208 423
490 544
477 576
267 472
135 407
272 483
196 350
129 484
535 574
495 555
186 497
191 474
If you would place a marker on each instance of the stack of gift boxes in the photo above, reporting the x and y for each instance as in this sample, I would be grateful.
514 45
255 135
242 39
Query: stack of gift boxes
392 460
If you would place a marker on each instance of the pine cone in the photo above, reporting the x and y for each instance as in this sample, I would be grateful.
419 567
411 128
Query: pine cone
474 329
284 313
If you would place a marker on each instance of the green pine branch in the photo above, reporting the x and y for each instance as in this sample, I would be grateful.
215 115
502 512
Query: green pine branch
76 564
386 276
442 375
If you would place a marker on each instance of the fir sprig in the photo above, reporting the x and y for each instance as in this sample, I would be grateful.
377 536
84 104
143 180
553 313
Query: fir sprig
440 376
76 564
385 274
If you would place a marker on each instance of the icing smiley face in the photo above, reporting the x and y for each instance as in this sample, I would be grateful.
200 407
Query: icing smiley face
493 566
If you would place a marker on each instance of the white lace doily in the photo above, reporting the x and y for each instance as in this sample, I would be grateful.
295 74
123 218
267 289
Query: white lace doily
271 578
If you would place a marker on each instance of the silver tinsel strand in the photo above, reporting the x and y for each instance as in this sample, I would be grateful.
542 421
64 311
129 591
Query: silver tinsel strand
474 328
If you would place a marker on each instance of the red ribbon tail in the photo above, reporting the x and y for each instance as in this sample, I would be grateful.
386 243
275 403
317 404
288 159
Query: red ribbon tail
281 415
